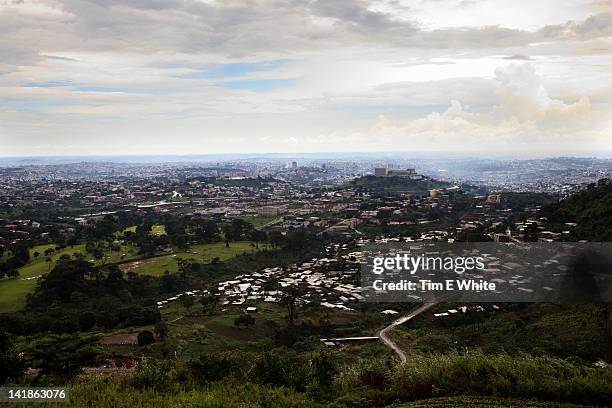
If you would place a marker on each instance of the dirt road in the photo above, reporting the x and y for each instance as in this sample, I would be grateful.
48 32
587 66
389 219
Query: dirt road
384 333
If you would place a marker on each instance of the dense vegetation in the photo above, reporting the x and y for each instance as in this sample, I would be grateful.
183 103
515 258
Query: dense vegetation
579 331
274 379
395 185
590 209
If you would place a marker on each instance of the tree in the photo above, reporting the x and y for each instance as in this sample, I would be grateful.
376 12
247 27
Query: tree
323 367
289 300
161 329
21 254
11 364
209 302
187 301
87 320
169 282
184 266
62 354
145 338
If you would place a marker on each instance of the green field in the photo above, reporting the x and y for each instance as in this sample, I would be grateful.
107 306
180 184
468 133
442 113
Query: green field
13 291
158 230
155 229
198 332
203 253
261 221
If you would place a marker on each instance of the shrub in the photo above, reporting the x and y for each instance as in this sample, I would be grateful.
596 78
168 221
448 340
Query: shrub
145 338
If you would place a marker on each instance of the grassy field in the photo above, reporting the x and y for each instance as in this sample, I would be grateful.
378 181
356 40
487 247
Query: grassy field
196 331
203 253
114 391
155 229
260 221
158 230
13 291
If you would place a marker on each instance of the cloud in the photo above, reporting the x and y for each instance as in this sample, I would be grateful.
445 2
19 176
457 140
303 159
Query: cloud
524 116
123 67
234 28
519 57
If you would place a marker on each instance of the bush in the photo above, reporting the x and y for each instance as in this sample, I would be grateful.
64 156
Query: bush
152 374
545 378
145 338
215 366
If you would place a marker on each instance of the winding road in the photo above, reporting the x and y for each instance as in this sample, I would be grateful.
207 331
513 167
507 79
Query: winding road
384 336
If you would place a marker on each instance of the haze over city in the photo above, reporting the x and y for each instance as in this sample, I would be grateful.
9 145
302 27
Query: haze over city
199 77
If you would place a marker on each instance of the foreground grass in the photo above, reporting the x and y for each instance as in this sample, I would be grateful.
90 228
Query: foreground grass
451 380
483 402
112 392
501 376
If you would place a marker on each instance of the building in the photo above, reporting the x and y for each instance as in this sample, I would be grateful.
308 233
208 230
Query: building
269 211
387 172
380 171
401 173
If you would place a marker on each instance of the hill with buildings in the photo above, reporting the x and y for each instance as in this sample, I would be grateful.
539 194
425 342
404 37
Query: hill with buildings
398 182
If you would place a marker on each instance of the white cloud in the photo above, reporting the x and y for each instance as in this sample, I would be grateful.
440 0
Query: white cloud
525 116
118 69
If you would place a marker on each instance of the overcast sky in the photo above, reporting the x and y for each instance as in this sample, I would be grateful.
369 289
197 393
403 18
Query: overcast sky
525 77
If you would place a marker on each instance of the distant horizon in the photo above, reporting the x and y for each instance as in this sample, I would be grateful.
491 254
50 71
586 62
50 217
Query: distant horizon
195 157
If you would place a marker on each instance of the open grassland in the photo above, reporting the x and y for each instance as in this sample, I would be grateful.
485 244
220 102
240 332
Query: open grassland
13 291
203 253
112 392
261 221
158 230
194 330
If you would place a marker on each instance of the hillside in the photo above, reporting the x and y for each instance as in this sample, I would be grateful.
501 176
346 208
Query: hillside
396 184
591 209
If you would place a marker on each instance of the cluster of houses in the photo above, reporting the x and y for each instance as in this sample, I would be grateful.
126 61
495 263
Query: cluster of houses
315 281
463 309
196 292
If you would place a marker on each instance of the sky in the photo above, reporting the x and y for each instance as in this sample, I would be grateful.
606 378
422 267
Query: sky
126 77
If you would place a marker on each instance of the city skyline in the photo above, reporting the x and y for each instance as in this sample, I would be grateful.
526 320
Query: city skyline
211 77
